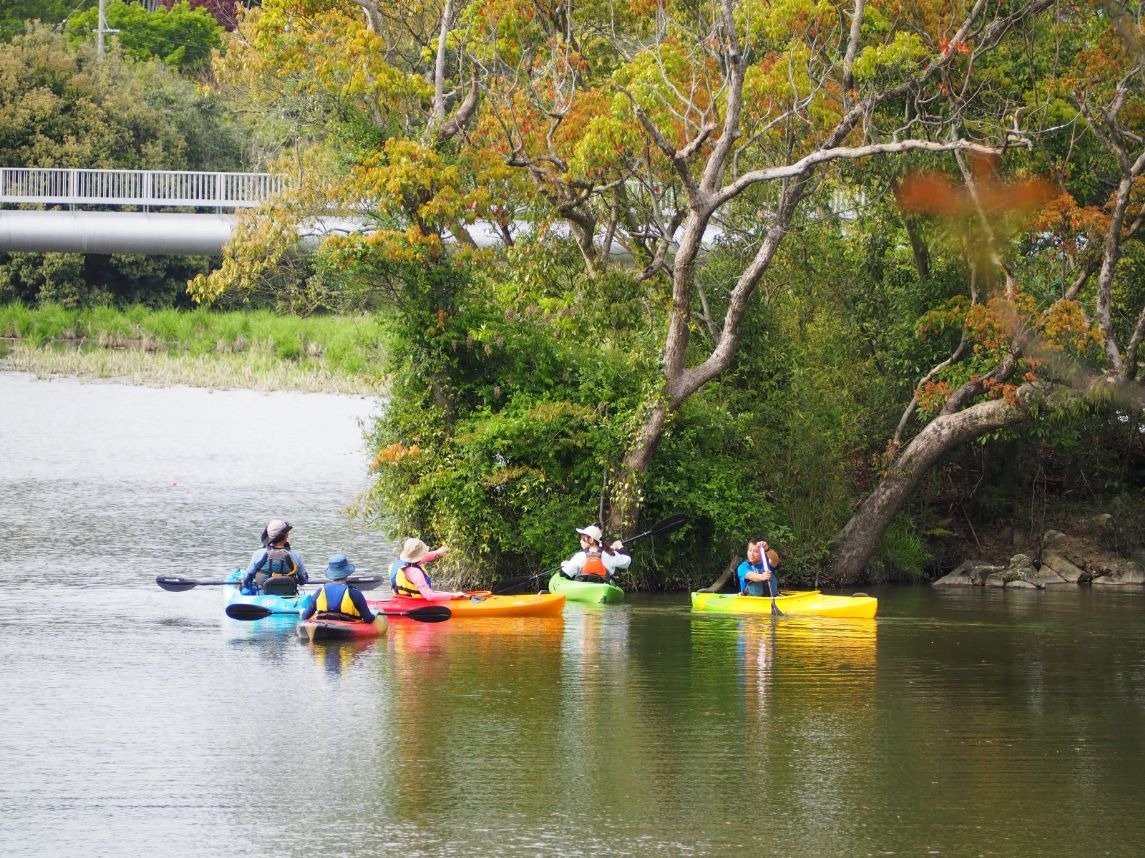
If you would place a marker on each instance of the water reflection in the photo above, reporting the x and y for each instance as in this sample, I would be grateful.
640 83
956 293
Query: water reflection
145 722
337 657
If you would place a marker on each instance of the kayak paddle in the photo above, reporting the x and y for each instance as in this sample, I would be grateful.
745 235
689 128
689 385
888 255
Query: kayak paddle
175 584
428 614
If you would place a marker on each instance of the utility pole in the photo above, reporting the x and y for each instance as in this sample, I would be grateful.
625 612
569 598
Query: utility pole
102 28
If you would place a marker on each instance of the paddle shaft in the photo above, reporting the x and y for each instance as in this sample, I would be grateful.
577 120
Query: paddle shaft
175 584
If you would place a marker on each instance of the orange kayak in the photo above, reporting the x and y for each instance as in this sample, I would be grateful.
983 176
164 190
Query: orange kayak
531 605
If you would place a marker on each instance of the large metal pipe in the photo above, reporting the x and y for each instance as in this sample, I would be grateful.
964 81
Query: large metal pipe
171 233
151 233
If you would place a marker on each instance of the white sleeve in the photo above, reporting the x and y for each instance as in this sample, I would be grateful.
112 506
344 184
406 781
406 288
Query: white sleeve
619 560
574 564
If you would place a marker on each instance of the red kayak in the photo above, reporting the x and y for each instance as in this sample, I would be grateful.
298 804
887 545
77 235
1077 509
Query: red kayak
340 630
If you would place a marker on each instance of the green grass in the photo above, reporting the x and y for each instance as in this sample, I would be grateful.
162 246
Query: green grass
202 347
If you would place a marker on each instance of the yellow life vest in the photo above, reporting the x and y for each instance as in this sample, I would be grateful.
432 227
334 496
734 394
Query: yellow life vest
406 587
346 606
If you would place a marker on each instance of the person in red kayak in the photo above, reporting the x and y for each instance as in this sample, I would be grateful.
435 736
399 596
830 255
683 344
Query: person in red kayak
408 576
338 599
594 562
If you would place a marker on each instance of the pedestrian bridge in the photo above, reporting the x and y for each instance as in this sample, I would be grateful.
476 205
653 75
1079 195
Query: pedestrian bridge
126 211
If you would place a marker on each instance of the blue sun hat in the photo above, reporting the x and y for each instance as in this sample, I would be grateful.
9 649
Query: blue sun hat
339 567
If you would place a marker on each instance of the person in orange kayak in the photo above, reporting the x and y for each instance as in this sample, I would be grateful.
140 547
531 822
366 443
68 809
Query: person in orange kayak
594 562
276 567
337 598
408 576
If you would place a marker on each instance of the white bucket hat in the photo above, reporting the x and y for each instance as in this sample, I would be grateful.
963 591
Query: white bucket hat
413 550
592 532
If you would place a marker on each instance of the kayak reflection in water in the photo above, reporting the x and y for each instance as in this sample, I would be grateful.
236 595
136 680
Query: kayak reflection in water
594 562
276 568
757 573
338 600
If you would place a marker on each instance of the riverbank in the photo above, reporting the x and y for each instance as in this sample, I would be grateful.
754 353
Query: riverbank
254 350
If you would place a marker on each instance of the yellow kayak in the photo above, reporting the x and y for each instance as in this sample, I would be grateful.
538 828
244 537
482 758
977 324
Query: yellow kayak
798 603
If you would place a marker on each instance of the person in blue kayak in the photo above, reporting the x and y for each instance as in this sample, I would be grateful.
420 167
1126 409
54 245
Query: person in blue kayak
757 573
408 576
276 567
594 562
338 599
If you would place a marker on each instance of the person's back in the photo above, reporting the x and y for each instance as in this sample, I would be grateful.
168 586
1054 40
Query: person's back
338 599
275 568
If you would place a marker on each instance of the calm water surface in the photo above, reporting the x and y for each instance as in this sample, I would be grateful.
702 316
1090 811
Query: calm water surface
141 722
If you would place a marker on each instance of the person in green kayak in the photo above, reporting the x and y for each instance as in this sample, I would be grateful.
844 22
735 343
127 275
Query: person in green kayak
757 573
338 598
594 562
276 567
408 576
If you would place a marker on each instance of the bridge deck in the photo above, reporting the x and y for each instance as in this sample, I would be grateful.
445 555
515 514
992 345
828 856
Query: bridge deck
145 188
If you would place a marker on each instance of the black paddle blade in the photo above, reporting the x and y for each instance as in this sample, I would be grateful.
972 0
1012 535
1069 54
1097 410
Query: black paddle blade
175 584
247 612
368 582
365 582
428 614
775 612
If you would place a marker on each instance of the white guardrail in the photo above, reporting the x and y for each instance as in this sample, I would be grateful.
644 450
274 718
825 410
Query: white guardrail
146 188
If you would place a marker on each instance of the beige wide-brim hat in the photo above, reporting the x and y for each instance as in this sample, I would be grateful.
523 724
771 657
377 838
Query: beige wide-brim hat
592 532
413 550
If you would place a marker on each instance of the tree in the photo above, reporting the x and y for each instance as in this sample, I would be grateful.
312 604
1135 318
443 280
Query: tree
15 15
1024 349
63 107
181 37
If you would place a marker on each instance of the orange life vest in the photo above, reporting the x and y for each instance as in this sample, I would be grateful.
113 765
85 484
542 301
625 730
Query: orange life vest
594 565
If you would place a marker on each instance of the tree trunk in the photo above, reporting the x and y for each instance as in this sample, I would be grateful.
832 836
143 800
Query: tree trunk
860 537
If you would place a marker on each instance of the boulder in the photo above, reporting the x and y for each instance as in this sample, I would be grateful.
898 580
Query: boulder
1125 573
970 573
1056 563
1020 571
1046 577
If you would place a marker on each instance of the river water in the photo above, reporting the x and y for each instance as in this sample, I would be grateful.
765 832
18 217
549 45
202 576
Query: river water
142 722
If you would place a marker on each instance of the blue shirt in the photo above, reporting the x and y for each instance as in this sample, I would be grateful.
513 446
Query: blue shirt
756 588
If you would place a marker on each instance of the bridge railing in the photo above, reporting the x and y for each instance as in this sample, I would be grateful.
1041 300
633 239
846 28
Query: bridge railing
146 188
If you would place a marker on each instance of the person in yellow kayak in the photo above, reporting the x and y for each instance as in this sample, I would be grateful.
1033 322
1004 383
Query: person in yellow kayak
408 576
757 573
594 562
338 598
276 567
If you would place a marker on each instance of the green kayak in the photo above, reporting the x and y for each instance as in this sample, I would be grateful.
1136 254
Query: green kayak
585 591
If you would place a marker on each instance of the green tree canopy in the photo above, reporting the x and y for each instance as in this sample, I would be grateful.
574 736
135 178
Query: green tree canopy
180 36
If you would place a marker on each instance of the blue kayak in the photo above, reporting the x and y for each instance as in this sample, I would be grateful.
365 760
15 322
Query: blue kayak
287 605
